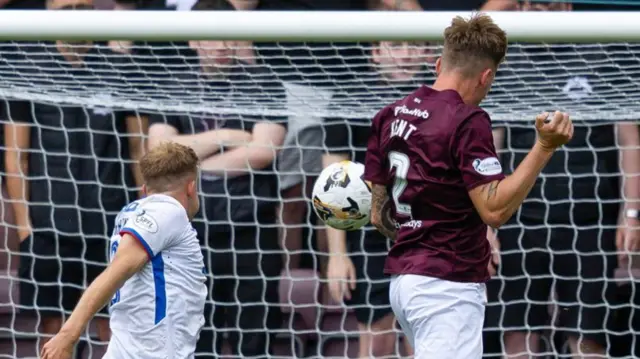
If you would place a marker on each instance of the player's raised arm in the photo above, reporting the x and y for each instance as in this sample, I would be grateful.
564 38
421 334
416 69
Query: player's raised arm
496 201
129 259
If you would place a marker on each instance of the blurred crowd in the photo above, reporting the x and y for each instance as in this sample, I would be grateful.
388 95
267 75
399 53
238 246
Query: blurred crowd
280 283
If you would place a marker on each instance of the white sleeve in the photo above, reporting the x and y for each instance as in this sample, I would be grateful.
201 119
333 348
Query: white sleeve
155 225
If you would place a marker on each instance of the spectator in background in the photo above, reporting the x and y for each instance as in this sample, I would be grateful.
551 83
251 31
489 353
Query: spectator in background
356 262
158 60
564 235
311 73
627 315
240 195
69 170
9 244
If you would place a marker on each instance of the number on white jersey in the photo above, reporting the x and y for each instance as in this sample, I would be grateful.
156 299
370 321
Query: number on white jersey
400 162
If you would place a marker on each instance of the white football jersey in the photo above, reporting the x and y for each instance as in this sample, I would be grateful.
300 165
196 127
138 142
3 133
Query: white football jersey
159 312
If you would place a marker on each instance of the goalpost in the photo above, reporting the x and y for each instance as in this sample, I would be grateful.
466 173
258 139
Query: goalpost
587 64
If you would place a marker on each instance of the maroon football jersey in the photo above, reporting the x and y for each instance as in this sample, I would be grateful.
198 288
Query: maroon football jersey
430 149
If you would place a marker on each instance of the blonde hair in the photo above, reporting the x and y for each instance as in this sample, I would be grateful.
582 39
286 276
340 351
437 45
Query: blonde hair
470 44
167 165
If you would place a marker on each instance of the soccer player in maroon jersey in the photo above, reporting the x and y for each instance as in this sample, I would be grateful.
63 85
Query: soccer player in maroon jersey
436 185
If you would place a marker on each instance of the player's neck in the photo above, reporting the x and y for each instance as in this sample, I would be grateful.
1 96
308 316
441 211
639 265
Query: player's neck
456 83
178 196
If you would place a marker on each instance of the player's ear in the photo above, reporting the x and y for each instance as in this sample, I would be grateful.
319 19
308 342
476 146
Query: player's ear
487 76
438 65
192 188
144 190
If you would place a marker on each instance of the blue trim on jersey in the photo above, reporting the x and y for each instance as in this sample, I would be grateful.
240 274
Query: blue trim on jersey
161 292
157 265
138 236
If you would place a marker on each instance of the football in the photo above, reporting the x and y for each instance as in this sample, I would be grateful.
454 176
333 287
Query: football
341 197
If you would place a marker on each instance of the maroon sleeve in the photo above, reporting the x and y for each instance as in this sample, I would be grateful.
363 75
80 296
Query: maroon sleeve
475 153
374 162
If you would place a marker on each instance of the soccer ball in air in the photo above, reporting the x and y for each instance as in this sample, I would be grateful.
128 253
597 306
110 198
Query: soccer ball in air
341 197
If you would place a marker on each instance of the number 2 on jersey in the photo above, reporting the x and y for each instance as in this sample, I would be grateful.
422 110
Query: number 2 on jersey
401 163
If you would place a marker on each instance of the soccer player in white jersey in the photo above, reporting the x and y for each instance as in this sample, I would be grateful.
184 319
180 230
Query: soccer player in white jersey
155 281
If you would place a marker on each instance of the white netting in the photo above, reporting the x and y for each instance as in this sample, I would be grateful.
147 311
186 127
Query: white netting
534 86
598 83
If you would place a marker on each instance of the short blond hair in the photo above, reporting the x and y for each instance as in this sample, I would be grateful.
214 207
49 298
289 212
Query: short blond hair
168 164
469 44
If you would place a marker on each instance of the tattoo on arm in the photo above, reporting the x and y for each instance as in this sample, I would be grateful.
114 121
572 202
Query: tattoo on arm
491 189
380 211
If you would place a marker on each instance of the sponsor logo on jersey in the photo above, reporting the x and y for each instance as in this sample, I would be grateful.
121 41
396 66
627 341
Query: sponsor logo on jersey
413 224
146 222
411 112
488 166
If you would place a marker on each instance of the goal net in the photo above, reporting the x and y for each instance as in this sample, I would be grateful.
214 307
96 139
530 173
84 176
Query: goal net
85 105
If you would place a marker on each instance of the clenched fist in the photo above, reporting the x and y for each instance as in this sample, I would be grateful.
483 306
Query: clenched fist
554 133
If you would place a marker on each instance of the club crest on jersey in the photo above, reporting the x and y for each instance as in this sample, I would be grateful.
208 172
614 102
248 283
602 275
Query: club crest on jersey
488 166
146 222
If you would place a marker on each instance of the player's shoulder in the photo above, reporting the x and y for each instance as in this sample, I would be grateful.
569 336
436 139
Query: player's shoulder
162 208
160 202
471 116
155 214
411 104
464 112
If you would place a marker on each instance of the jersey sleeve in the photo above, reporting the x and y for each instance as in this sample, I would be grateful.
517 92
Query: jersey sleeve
374 169
475 153
156 226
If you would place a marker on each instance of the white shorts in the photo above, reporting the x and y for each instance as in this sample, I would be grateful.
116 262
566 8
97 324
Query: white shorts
441 319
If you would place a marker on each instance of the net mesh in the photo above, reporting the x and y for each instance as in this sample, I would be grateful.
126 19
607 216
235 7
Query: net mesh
597 83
